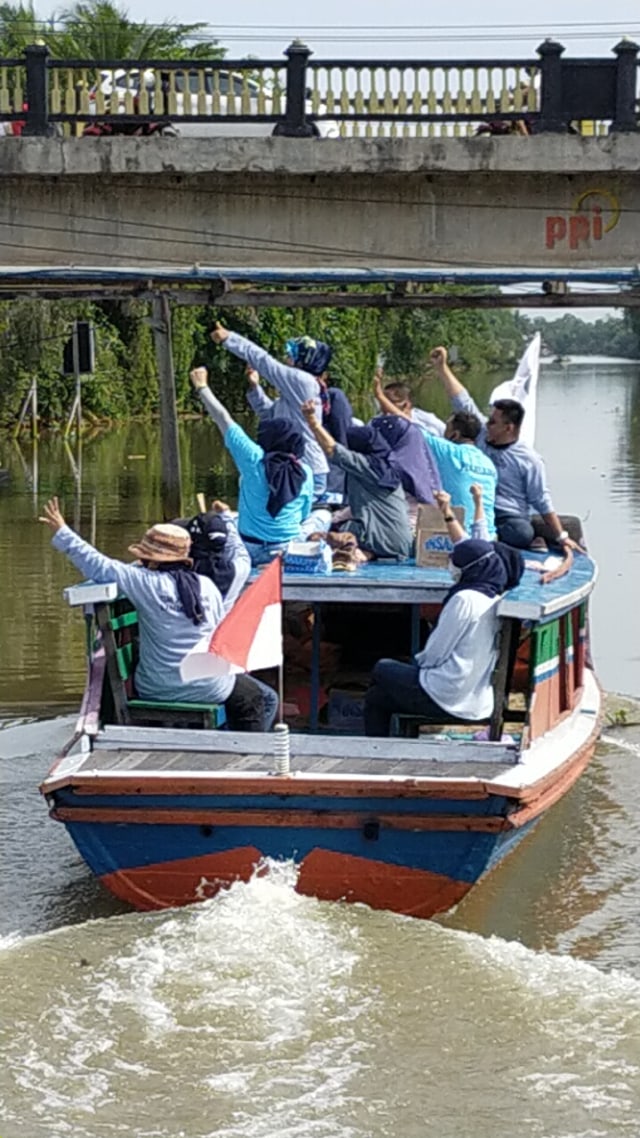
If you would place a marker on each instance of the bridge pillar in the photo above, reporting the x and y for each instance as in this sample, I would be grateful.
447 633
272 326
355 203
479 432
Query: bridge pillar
37 92
625 112
294 124
551 116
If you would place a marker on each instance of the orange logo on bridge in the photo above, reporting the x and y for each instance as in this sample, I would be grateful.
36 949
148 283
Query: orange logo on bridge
593 213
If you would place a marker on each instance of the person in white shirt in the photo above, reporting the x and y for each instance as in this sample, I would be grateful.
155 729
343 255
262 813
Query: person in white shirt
401 396
451 678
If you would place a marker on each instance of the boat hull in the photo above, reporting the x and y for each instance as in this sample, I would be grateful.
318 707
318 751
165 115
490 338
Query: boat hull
417 864
168 829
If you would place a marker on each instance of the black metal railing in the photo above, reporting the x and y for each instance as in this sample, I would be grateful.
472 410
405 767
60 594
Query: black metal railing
300 97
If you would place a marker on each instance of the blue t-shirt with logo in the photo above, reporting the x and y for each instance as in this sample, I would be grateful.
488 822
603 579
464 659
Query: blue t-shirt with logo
459 465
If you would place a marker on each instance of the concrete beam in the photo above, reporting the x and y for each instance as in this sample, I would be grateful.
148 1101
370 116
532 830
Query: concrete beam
552 201
541 154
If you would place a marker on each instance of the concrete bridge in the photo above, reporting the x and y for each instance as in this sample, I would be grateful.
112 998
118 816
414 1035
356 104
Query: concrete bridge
550 200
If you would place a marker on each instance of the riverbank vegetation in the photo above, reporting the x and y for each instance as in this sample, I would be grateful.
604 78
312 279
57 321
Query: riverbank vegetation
124 385
571 336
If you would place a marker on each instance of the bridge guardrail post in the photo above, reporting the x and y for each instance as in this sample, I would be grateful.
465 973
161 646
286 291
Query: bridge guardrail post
36 64
626 115
294 124
551 116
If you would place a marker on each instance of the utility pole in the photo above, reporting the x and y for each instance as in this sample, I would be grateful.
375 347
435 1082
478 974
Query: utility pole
171 487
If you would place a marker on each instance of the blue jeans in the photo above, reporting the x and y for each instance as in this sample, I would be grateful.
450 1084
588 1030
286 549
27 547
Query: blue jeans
319 486
252 705
262 552
396 688
515 530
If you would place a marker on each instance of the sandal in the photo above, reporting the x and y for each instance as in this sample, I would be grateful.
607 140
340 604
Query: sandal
345 560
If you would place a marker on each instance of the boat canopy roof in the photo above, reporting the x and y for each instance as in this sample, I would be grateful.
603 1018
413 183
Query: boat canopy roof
384 582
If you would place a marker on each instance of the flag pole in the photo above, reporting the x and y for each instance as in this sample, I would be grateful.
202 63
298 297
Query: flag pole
281 665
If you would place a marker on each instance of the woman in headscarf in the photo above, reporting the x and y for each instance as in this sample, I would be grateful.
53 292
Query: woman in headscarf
451 678
217 551
299 378
379 519
411 459
177 608
314 356
276 484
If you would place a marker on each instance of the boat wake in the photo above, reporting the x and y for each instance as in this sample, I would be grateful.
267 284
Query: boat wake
263 1012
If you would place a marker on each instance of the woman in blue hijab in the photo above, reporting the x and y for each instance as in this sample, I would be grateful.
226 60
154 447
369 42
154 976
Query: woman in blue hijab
409 457
276 484
451 679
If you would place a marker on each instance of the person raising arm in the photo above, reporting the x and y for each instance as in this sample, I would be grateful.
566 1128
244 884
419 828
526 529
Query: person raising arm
521 486
379 519
177 609
295 384
276 484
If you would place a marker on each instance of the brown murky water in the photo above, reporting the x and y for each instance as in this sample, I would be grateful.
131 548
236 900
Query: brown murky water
262 1013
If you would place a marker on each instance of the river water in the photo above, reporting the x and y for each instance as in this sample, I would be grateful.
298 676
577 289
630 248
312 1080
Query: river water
262 1013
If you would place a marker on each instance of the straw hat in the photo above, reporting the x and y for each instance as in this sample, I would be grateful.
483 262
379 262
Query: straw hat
163 542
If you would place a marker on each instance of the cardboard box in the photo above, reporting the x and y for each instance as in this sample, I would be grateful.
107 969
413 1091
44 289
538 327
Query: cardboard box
346 710
433 544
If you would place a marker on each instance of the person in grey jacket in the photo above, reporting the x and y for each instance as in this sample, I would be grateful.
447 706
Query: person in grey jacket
295 386
177 609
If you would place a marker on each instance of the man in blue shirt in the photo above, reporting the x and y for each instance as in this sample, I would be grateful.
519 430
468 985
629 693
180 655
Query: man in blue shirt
521 488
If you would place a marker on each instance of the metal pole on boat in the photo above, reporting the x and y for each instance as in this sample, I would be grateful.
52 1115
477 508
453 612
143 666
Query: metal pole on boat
171 489
281 693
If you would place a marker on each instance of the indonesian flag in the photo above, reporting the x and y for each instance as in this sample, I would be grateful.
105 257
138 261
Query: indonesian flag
249 637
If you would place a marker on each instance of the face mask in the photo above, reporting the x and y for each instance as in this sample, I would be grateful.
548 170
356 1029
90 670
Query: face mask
455 572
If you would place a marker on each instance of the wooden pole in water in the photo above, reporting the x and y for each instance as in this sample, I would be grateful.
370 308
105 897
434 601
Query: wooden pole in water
171 489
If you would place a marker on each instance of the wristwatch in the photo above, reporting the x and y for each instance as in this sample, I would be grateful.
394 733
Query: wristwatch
562 536
449 517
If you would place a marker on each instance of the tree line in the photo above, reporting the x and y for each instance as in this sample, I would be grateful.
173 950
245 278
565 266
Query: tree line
612 336
124 385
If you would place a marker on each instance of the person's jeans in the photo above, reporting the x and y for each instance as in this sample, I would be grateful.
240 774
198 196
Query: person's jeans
319 486
252 705
261 553
515 530
395 688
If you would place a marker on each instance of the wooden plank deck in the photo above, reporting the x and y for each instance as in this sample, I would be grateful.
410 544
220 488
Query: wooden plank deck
177 762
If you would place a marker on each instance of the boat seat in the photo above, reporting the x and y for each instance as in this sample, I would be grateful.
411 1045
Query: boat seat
118 622
408 726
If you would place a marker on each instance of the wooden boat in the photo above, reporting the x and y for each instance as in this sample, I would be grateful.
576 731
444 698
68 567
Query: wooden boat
167 814
166 809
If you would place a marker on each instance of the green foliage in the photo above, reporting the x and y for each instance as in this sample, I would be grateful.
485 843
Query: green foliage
484 339
33 333
570 336
100 29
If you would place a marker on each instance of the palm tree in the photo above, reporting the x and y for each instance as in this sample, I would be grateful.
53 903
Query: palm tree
99 29
19 26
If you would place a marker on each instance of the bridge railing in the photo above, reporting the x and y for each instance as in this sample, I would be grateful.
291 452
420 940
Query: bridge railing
300 96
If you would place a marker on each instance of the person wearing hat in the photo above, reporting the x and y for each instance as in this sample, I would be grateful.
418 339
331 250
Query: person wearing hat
176 608
302 376
276 484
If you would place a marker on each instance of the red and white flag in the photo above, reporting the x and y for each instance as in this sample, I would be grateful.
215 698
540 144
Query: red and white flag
249 637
